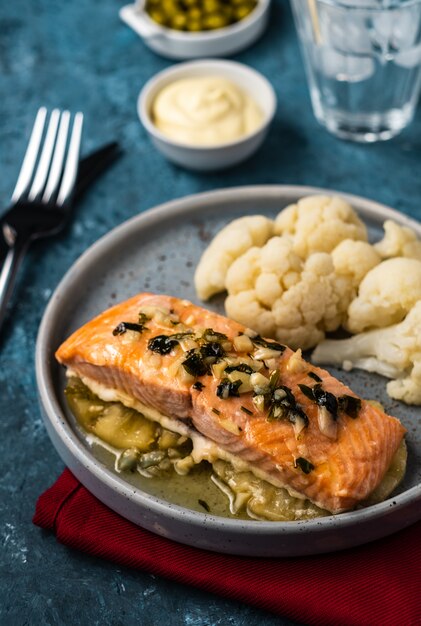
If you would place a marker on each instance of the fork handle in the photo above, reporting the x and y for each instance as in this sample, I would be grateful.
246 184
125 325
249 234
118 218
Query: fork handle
8 272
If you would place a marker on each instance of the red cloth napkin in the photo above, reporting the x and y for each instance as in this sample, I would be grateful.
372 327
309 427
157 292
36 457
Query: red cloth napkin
374 585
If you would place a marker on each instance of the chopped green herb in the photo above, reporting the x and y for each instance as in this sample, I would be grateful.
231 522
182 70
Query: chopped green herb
322 398
273 345
125 326
349 405
290 398
277 411
178 336
204 504
137 327
226 388
285 407
212 349
216 411
194 364
212 335
198 385
314 376
163 344
304 465
307 391
246 410
242 367
327 399
143 318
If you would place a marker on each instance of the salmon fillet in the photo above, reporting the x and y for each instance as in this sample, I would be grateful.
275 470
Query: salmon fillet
298 426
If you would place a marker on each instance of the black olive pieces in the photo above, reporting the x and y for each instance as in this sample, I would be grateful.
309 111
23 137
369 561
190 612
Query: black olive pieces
198 15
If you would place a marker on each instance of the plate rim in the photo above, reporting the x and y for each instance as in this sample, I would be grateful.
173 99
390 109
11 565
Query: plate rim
186 205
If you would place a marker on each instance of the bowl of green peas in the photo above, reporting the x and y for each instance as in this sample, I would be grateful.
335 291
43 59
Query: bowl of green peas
192 29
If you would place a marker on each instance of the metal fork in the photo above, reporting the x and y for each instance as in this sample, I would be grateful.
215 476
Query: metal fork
44 188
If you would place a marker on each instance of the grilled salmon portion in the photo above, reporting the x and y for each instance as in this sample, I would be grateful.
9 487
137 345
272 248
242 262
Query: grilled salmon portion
261 403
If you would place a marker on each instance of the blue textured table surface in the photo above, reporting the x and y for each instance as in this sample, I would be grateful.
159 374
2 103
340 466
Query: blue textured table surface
79 55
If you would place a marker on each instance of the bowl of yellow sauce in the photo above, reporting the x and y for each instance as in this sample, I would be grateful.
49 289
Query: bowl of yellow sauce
190 29
207 115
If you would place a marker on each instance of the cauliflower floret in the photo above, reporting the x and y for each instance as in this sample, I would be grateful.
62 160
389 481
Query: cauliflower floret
255 281
230 243
268 288
394 352
278 256
243 272
354 259
245 308
385 295
398 241
269 270
315 304
277 294
319 223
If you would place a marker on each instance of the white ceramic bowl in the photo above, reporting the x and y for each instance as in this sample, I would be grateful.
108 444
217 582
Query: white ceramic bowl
209 157
175 44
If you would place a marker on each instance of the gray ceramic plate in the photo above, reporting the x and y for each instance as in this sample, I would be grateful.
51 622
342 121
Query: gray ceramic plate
158 251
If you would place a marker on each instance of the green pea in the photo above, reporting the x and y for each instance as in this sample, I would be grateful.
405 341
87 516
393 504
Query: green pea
198 15
170 6
215 20
228 12
211 6
158 16
243 10
171 10
194 26
194 15
178 22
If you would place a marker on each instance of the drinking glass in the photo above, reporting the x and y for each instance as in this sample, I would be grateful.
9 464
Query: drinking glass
363 63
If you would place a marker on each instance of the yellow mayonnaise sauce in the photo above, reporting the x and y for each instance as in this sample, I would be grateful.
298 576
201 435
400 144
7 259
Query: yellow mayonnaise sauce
205 111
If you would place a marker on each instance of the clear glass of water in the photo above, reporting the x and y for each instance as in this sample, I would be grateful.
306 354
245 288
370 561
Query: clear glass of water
363 63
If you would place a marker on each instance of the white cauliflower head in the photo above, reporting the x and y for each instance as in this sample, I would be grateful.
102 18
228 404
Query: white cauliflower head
398 241
230 243
245 308
354 259
394 352
385 295
269 269
279 295
319 224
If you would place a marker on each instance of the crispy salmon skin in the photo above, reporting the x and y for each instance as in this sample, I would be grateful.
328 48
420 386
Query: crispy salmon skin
293 423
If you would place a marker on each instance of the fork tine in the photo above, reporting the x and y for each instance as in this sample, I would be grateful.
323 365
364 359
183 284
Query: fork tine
45 158
72 161
58 157
30 157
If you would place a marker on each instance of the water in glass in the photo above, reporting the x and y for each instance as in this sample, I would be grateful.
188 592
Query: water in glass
363 62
